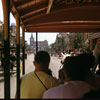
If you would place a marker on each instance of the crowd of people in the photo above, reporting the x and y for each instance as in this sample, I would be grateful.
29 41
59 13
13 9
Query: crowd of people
78 77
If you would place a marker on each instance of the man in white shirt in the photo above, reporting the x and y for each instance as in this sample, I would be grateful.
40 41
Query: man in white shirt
75 70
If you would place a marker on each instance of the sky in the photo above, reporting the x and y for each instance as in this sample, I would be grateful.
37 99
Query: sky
50 37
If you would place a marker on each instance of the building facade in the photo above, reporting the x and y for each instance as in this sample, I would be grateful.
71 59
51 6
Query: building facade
42 45
13 35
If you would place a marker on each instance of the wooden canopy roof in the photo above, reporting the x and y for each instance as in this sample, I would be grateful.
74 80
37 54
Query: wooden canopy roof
58 15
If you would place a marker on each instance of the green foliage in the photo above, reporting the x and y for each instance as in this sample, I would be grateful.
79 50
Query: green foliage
77 41
59 44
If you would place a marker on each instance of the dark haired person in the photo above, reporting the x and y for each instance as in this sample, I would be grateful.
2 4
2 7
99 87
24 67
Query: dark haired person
92 78
34 84
96 54
76 69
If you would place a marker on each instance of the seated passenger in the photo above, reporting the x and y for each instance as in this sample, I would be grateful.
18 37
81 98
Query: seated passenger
91 78
96 54
75 71
34 84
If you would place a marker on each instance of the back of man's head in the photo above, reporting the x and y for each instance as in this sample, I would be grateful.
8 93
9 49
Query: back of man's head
77 67
42 57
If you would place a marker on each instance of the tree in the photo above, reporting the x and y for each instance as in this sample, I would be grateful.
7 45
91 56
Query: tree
77 41
59 45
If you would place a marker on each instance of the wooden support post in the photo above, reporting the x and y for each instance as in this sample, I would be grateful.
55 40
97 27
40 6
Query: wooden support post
91 43
23 49
36 42
6 12
18 55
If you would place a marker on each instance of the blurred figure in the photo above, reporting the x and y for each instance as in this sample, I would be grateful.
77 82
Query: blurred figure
64 57
96 54
2 60
75 52
12 60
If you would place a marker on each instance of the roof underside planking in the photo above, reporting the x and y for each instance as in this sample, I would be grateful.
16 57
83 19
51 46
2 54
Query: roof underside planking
58 15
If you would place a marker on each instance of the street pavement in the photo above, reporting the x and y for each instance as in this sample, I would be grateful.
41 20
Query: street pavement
29 67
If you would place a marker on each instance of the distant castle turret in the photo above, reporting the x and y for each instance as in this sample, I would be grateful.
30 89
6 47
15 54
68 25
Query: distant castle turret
31 40
42 45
